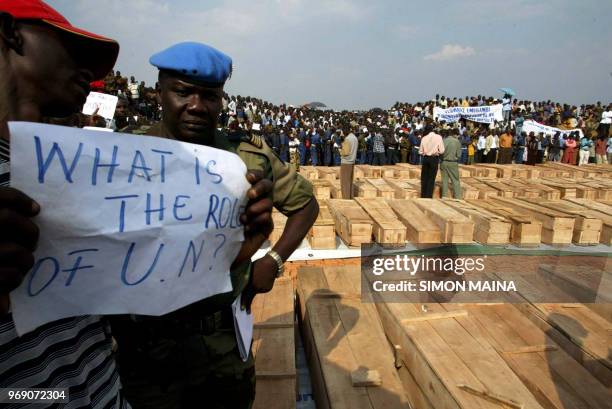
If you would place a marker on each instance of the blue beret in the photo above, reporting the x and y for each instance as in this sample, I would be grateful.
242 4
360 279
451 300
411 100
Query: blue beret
199 62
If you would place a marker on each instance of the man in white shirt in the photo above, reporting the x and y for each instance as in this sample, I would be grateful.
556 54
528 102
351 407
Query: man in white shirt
480 147
606 120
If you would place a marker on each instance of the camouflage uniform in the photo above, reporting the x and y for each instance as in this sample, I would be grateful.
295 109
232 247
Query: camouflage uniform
189 358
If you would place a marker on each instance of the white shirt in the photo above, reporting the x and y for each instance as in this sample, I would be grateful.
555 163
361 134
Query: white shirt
481 142
495 144
606 117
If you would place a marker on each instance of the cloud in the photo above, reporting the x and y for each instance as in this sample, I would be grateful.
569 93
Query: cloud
450 52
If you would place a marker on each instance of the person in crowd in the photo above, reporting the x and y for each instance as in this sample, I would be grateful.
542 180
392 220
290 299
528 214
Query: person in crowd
606 120
337 143
327 147
471 152
465 140
369 140
507 108
362 152
348 156
378 148
294 153
505 147
601 146
303 147
392 145
532 149
570 148
315 145
404 145
542 147
449 165
133 91
430 149
555 148
193 352
284 145
480 148
415 142
585 147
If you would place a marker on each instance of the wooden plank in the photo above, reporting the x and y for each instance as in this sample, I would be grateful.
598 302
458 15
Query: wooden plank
551 374
321 189
322 235
591 284
403 189
343 336
442 354
420 229
309 172
383 189
455 227
274 347
557 227
490 228
352 223
387 228
525 231
361 188
581 332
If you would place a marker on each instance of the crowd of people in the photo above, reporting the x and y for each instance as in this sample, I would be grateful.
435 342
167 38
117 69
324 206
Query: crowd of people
394 135
386 137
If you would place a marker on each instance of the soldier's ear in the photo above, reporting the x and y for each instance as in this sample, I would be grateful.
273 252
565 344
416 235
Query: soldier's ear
9 33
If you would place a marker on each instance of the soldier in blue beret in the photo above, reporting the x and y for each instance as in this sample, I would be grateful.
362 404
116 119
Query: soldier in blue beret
190 358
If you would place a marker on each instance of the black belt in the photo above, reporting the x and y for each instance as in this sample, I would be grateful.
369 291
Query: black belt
446 160
163 327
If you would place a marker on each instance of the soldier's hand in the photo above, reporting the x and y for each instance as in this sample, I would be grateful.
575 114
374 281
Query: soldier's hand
257 217
263 274
18 237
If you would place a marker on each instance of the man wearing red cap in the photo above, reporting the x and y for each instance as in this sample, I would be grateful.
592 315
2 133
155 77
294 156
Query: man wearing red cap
46 66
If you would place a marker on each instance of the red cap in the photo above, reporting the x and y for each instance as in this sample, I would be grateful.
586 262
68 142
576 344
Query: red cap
39 10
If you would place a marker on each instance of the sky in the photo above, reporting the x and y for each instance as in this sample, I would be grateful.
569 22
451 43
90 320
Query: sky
362 54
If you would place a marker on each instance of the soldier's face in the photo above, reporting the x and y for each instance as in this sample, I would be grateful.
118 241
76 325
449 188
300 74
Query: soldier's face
190 111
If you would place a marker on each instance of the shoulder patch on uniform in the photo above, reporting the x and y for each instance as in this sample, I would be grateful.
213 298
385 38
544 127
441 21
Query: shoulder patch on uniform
255 140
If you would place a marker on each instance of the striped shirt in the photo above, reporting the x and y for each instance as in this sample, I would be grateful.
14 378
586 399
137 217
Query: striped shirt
4 163
73 353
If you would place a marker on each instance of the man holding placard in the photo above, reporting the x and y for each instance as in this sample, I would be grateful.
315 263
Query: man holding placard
46 65
43 78
191 358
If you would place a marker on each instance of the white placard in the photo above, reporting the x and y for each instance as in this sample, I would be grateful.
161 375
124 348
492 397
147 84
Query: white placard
129 224
537 128
105 103
484 114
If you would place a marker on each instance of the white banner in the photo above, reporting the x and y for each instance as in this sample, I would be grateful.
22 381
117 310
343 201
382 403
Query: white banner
485 114
129 224
536 128
104 103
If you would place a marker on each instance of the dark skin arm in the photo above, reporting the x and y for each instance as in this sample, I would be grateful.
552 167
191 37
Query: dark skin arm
264 269
257 217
